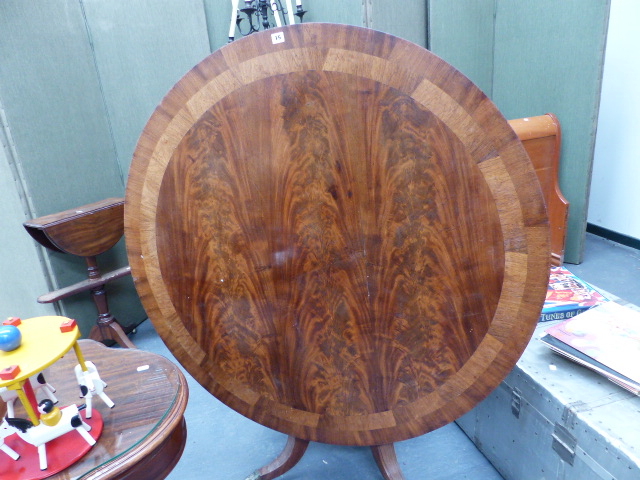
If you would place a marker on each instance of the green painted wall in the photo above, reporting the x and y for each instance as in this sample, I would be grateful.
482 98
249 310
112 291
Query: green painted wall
350 12
55 115
79 79
20 257
532 58
141 49
406 19
549 57
462 33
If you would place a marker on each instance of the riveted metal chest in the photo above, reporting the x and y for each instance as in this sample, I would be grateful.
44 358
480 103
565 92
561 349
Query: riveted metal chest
552 419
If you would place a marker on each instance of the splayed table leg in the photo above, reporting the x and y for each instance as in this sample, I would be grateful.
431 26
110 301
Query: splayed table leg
385 456
290 456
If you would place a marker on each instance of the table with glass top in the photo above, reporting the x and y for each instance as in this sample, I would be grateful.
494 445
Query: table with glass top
144 434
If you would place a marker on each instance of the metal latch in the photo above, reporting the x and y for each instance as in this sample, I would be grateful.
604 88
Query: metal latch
564 443
516 402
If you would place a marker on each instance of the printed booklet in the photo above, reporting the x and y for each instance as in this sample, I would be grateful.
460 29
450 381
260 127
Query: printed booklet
568 296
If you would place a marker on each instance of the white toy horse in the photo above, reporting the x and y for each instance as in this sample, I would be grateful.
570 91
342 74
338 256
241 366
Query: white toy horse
91 384
5 431
38 383
54 423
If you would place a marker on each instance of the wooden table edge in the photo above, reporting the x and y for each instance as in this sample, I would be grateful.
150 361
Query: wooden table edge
129 464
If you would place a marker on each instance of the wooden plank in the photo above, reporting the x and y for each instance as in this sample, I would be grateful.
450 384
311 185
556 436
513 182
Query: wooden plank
142 49
548 58
462 34
84 286
542 137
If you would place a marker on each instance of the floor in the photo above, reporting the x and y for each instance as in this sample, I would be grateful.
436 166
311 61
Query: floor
224 445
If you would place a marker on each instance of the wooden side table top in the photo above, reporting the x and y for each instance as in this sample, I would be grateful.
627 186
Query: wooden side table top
144 434
74 231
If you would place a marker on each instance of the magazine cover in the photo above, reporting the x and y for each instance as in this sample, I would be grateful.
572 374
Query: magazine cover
580 358
568 296
608 334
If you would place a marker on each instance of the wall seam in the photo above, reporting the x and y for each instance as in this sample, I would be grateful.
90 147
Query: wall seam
209 25
28 209
367 13
102 94
493 47
594 122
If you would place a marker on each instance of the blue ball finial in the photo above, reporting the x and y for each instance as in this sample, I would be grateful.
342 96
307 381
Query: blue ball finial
10 338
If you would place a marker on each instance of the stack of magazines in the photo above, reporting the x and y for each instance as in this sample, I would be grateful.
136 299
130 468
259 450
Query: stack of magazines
568 296
606 339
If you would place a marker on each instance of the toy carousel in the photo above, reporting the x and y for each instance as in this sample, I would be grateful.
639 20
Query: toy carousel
48 438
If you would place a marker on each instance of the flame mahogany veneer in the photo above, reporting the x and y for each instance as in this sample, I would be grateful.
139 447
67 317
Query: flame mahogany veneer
339 236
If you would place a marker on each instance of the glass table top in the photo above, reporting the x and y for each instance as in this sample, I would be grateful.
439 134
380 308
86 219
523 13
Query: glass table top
149 393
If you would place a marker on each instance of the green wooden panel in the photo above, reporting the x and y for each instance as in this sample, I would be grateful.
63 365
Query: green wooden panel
21 269
63 143
349 12
218 16
57 119
53 103
548 58
406 19
141 50
462 34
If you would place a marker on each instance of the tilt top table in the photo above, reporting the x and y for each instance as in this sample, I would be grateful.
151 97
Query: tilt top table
338 235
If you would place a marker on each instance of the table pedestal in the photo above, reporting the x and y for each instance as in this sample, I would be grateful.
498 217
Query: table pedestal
384 455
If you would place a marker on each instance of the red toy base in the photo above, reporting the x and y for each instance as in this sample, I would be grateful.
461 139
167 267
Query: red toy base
62 452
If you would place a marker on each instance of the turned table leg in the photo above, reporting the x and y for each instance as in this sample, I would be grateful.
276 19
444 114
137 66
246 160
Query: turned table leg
107 327
385 456
290 456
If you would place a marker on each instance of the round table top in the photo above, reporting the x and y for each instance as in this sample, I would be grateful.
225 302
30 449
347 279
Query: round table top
337 234
43 343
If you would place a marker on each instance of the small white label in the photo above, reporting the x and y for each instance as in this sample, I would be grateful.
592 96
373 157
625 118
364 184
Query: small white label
277 37
142 368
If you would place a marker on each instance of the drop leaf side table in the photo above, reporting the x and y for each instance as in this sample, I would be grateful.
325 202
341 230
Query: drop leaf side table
87 232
